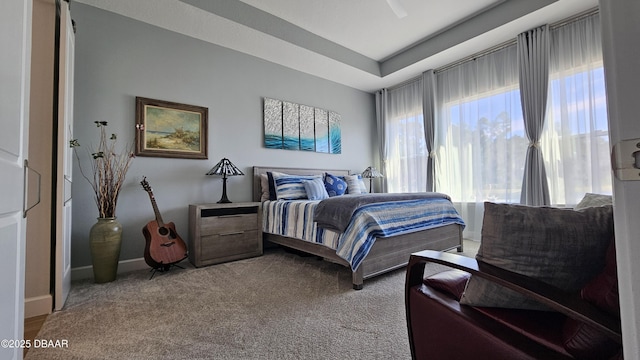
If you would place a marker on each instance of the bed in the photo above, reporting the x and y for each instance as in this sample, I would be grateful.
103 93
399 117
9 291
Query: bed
387 252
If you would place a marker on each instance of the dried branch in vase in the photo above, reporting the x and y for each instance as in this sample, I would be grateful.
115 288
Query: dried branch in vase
109 168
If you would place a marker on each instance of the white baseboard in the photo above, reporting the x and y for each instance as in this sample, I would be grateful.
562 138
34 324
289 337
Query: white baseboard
124 266
38 305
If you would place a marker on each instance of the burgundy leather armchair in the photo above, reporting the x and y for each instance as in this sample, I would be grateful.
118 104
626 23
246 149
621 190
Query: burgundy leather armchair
583 326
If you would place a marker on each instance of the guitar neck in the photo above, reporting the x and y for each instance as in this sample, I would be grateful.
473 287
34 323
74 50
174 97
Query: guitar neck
155 210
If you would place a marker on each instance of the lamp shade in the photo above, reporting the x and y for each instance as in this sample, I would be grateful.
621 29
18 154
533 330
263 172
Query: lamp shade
225 168
371 173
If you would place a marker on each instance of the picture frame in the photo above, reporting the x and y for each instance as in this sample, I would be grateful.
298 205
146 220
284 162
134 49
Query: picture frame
170 129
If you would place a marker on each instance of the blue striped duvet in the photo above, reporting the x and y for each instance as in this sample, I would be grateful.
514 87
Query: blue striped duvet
295 219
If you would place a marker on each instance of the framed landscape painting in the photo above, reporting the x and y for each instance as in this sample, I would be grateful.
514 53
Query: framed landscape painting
168 129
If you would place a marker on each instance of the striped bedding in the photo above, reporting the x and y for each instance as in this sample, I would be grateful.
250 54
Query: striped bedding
294 218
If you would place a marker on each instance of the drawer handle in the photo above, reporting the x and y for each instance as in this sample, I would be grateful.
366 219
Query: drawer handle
232 233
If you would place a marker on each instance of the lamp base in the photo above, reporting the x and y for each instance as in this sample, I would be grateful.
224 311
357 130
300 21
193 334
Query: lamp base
224 199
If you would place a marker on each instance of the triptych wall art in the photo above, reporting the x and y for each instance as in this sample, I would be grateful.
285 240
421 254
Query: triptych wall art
293 126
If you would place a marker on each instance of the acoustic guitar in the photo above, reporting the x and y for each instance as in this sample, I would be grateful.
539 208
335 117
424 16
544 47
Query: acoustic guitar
164 247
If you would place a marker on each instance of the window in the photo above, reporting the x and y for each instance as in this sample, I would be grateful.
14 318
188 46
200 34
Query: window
480 142
486 147
406 163
576 138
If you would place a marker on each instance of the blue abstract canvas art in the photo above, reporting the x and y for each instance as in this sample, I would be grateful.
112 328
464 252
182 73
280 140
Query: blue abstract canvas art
322 130
307 129
273 124
292 126
335 136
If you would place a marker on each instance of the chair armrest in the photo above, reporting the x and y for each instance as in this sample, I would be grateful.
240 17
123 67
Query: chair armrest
569 304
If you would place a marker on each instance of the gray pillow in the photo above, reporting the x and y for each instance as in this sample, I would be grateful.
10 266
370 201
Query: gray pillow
591 200
563 247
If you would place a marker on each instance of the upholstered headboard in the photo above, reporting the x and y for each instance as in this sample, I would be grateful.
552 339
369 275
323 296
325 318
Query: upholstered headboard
257 170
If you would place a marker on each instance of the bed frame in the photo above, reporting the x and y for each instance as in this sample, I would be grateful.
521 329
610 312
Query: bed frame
386 254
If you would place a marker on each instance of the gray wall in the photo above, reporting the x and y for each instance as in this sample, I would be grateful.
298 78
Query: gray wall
118 58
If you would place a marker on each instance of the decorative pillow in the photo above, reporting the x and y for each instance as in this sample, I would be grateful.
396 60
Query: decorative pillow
334 185
363 186
264 187
354 184
591 200
563 247
272 186
602 291
584 341
290 187
315 189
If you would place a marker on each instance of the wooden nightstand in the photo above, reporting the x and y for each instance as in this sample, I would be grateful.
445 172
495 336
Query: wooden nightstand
224 232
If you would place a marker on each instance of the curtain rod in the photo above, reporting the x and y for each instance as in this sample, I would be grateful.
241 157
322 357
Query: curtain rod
477 55
576 17
563 22
458 62
499 47
406 82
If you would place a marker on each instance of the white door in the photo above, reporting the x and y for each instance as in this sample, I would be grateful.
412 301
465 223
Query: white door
63 245
15 68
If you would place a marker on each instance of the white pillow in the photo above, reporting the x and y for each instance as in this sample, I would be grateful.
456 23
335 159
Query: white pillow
355 184
264 187
363 187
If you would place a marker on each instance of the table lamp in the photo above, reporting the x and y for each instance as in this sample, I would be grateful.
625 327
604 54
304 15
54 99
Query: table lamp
225 168
371 173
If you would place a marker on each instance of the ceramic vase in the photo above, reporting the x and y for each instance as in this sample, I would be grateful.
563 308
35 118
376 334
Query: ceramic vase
105 239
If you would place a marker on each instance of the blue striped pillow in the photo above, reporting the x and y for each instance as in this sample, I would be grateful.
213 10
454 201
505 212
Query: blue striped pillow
290 187
315 189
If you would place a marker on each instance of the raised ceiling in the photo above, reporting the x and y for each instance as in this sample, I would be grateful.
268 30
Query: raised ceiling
364 44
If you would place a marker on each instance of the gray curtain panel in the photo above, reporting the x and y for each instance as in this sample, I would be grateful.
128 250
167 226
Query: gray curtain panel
428 114
533 63
381 116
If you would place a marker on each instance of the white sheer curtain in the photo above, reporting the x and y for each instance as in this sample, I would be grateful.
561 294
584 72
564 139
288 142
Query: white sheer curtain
576 140
480 140
406 150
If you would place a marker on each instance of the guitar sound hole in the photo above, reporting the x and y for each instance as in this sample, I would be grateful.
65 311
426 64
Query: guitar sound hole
163 231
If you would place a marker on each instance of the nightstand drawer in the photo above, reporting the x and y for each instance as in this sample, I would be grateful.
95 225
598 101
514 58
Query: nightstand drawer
229 245
228 224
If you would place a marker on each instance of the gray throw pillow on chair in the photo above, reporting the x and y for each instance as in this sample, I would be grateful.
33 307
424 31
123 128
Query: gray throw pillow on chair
563 247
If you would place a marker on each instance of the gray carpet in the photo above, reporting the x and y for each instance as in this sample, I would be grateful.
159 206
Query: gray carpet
277 306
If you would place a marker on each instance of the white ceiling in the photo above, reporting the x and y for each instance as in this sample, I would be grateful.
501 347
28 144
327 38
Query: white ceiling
358 43
370 27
